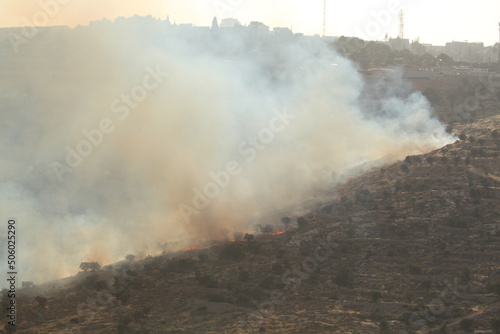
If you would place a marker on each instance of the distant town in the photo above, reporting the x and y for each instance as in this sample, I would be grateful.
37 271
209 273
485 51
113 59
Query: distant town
420 60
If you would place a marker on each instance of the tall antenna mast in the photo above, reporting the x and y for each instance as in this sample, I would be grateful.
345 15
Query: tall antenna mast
324 18
401 24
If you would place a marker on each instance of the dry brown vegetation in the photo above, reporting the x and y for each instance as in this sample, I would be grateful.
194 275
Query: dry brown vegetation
412 247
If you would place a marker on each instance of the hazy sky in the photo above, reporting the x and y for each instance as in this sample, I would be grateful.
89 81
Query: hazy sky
433 21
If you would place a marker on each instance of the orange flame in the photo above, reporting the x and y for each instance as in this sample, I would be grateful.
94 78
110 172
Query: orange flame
191 248
275 233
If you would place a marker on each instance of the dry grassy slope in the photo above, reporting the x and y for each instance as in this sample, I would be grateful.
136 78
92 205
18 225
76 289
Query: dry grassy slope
431 218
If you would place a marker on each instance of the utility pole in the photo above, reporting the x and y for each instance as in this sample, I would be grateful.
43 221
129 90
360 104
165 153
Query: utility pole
324 18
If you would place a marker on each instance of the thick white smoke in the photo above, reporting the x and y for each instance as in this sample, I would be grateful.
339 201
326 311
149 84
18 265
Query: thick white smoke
136 136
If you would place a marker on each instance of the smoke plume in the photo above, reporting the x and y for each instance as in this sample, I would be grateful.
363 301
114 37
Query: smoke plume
139 137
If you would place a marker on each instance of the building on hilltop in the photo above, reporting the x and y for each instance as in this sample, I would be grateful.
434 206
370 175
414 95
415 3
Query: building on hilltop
258 28
464 51
229 23
282 33
399 43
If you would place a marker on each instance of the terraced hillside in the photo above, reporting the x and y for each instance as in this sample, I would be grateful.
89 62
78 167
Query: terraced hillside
410 248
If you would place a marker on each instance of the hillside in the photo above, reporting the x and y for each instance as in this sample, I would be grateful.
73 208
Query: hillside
413 247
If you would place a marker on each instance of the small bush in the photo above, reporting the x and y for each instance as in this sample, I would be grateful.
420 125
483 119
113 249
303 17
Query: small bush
286 221
243 300
91 280
243 276
138 315
186 264
146 310
254 247
100 285
122 326
415 269
405 318
383 325
203 257
266 228
208 281
42 301
493 287
467 324
402 251
495 325
427 284
409 296
278 269
219 298
301 222
124 296
86 266
267 283
9 328
344 277
28 284
232 252
458 222
375 296
466 275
